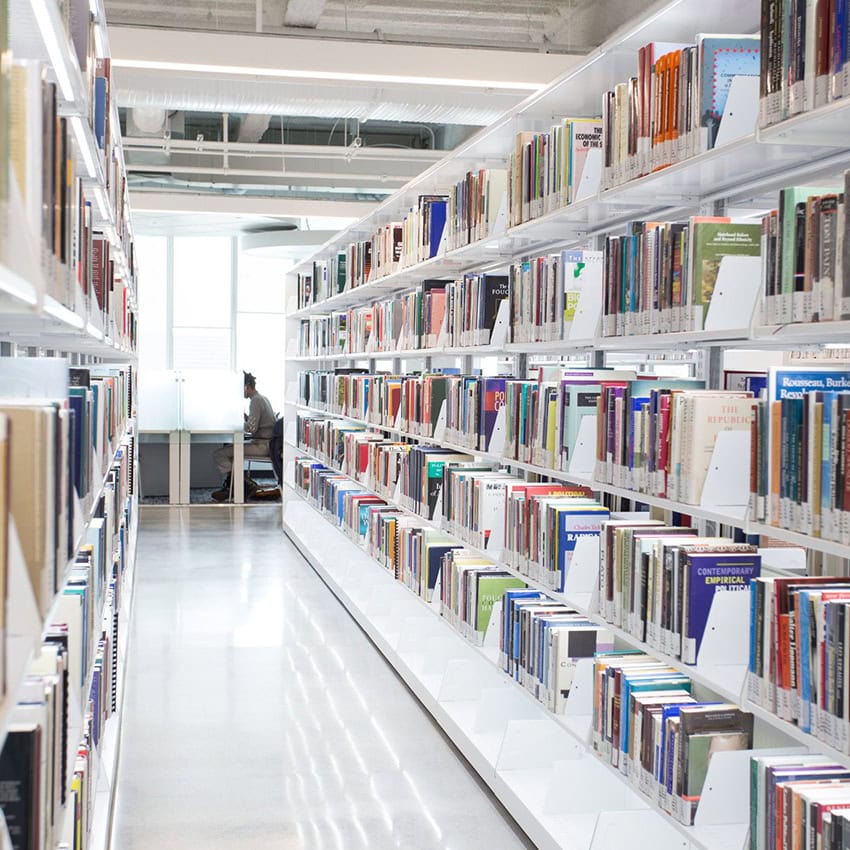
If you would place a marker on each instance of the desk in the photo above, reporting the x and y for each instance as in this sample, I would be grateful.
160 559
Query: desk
215 437
180 453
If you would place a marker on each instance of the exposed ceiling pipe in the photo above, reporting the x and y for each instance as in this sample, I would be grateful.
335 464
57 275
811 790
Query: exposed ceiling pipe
279 176
214 148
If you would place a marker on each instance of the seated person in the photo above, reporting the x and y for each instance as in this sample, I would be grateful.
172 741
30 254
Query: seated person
259 424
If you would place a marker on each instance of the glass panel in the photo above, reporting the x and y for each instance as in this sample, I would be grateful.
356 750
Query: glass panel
262 284
260 348
159 404
213 400
34 378
202 348
202 277
153 301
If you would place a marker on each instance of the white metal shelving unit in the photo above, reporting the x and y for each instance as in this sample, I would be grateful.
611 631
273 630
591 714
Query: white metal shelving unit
31 317
744 174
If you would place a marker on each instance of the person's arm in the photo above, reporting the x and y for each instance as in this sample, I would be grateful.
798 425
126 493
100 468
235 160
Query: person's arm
252 420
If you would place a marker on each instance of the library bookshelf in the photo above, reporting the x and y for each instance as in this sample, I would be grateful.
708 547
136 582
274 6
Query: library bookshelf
536 761
68 295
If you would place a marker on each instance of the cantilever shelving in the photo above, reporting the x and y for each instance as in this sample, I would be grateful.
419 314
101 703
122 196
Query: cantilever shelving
742 177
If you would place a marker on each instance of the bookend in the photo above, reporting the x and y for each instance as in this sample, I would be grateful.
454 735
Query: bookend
582 576
500 225
584 451
462 681
725 797
735 295
529 744
496 446
491 637
498 706
728 479
578 710
723 653
502 327
587 320
416 633
741 111
440 426
591 176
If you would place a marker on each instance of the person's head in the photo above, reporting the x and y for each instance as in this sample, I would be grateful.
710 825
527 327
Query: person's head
250 384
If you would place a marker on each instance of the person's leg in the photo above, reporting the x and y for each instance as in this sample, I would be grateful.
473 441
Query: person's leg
223 458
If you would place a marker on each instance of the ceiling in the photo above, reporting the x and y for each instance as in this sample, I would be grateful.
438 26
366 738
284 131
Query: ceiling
573 26
330 103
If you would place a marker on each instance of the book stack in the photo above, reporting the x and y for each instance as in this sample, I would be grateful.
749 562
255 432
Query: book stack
799 675
648 724
660 277
542 641
802 265
658 582
672 109
803 65
798 454
545 293
474 205
548 171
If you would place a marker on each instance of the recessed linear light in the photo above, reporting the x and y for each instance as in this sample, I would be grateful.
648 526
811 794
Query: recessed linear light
339 76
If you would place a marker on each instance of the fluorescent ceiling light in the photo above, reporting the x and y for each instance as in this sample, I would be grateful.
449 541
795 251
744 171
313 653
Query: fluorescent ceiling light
339 76
83 144
58 55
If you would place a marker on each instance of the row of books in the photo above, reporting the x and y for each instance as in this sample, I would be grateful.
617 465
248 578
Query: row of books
77 259
436 223
804 61
658 437
646 721
805 276
798 449
661 277
799 800
47 783
649 724
797 649
548 171
535 421
542 293
469 500
658 582
672 108
58 457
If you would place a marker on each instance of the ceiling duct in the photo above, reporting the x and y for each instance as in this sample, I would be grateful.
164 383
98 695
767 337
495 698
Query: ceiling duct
209 93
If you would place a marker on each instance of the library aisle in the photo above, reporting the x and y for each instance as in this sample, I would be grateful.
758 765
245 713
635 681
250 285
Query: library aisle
258 715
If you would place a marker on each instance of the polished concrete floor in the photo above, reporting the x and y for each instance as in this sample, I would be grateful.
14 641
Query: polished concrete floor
258 715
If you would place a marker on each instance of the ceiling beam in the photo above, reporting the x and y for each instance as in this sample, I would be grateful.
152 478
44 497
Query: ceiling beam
306 59
201 204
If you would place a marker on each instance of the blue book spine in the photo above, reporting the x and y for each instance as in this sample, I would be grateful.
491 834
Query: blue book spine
100 111
710 573
438 225
751 664
803 641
